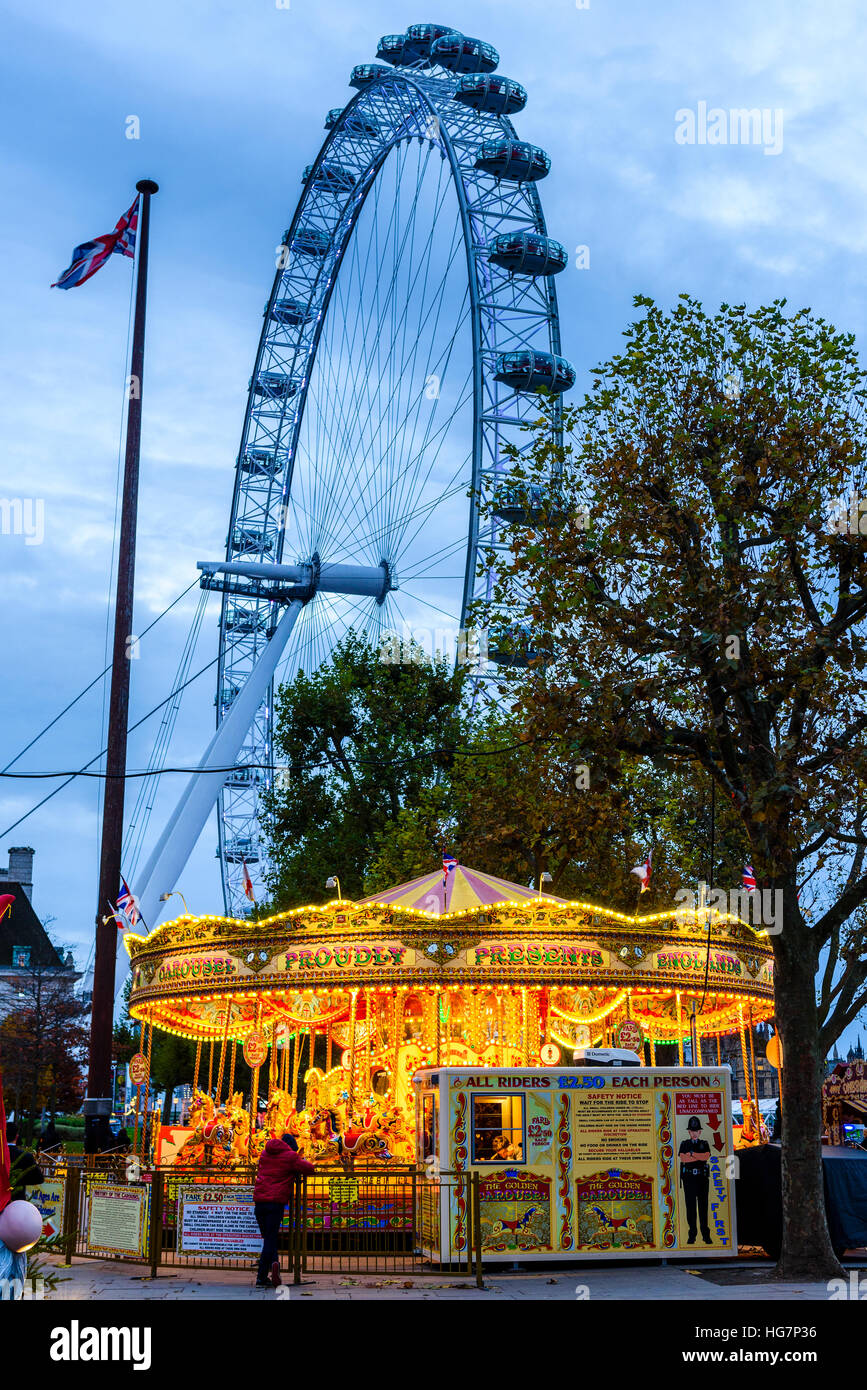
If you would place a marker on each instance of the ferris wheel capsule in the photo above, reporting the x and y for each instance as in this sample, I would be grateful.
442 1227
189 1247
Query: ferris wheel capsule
291 312
497 95
353 124
530 506
260 463
392 48
420 37
528 253
310 241
333 178
457 53
513 160
275 385
526 370
365 73
252 540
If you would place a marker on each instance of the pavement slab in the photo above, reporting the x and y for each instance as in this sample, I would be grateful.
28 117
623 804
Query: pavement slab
104 1281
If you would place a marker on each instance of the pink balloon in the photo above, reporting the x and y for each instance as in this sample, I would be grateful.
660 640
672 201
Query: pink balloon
20 1226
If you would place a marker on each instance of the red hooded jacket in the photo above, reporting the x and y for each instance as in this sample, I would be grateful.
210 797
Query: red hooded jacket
278 1168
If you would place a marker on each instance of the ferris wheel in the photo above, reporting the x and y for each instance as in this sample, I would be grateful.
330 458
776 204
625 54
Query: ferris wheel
411 324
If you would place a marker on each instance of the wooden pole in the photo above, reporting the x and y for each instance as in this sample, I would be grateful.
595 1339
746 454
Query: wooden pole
296 1066
353 1012
105 956
223 1055
397 1029
231 1090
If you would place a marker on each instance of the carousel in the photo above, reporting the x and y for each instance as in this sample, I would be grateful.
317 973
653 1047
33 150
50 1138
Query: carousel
349 999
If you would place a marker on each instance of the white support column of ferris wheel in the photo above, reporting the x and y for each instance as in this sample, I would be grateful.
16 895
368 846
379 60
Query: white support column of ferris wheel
188 819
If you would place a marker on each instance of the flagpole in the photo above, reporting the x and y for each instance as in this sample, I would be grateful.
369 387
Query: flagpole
102 1001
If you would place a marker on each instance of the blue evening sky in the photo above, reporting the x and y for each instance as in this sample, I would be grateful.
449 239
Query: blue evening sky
231 96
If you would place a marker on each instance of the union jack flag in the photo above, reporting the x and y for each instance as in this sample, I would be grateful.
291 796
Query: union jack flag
644 871
749 878
248 882
90 256
126 904
449 863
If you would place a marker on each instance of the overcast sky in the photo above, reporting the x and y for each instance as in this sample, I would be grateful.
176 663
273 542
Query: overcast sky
231 95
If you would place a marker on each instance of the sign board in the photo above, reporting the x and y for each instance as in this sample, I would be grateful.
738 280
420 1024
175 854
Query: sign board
116 1218
48 1197
255 1049
630 1035
138 1069
217 1220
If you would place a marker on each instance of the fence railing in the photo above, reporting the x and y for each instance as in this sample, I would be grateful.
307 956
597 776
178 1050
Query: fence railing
392 1221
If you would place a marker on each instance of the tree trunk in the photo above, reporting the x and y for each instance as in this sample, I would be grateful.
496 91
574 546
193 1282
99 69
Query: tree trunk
167 1104
806 1251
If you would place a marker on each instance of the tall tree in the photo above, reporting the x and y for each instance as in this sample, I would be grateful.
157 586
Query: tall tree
43 1045
703 601
518 807
362 738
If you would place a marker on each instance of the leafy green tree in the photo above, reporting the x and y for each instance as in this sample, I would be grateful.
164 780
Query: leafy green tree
362 738
703 602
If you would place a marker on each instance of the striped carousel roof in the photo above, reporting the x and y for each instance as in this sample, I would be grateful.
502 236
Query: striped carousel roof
466 888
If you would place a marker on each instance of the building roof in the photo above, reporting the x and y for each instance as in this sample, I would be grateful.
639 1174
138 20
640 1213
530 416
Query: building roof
20 926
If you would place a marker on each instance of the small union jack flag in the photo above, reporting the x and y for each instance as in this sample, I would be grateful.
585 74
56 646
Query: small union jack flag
90 256
248 882
749 878
644 871
126 904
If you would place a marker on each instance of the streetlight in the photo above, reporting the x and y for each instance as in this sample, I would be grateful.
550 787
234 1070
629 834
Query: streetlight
164 897
545 878
334 882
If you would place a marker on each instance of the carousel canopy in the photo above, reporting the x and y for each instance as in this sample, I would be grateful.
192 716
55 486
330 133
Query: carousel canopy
464 890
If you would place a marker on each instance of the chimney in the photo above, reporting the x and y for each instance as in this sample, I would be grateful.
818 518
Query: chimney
21 868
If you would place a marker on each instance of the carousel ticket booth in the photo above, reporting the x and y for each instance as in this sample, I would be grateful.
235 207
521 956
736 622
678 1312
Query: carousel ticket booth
580 1163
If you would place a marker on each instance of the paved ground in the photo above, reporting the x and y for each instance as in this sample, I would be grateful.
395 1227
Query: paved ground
103 1281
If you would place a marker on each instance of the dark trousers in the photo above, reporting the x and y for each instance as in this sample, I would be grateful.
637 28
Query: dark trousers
268 1218
695 1195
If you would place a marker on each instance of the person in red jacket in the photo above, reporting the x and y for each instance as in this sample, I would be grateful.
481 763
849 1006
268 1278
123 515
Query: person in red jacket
280 1165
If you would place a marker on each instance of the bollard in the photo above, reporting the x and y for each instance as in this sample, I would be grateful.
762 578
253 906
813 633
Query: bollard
156 1226
475 1193
70 1213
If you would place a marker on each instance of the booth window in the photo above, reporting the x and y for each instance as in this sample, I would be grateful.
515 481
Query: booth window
498 1129
428 1125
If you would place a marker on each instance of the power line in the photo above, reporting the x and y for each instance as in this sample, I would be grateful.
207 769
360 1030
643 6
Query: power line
87 688
268 767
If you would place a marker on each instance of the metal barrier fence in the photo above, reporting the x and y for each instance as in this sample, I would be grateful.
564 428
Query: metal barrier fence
392 1221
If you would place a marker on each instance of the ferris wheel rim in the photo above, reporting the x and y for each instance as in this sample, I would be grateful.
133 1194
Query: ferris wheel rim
423 88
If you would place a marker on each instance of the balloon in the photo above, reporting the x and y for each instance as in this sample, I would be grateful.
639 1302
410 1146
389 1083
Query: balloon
20 1226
